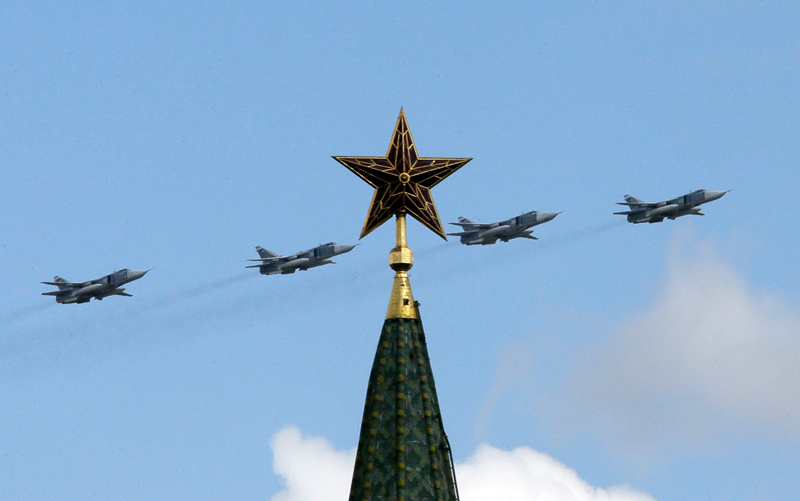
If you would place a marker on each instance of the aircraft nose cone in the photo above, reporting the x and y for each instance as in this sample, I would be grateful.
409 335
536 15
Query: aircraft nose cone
713 195
136 274
549 216
346 248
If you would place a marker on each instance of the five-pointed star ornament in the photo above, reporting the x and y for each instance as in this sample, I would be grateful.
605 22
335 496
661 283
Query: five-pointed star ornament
402 180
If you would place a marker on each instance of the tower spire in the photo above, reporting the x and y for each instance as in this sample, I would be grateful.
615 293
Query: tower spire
403 453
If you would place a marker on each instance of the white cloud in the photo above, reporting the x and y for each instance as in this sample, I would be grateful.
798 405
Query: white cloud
524 474
311 468
710 356
314 471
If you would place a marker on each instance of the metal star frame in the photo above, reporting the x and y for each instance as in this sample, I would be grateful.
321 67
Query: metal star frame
402 180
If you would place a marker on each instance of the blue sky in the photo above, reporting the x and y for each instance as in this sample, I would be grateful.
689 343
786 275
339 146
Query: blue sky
179 137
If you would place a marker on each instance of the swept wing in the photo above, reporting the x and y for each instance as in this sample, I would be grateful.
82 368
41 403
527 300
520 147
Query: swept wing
643 205
475 226
68 284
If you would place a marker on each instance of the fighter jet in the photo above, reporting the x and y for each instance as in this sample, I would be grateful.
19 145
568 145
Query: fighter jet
82 292
489 233
275 264
655 212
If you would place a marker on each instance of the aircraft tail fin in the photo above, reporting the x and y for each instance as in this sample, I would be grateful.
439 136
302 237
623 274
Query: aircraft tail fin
462 219
264 253
633 200
59 280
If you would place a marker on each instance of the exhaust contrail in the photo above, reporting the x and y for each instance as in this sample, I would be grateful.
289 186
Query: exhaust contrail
24 312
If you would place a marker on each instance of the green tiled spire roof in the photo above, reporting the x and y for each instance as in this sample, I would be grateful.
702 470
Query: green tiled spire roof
403 452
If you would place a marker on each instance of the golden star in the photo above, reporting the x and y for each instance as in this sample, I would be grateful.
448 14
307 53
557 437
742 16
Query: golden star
402 180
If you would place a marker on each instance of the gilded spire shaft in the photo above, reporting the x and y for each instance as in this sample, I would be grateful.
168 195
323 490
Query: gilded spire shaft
400 232
401 259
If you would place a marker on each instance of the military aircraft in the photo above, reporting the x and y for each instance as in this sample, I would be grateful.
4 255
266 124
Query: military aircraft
275 264
655 212
82 292
489 233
